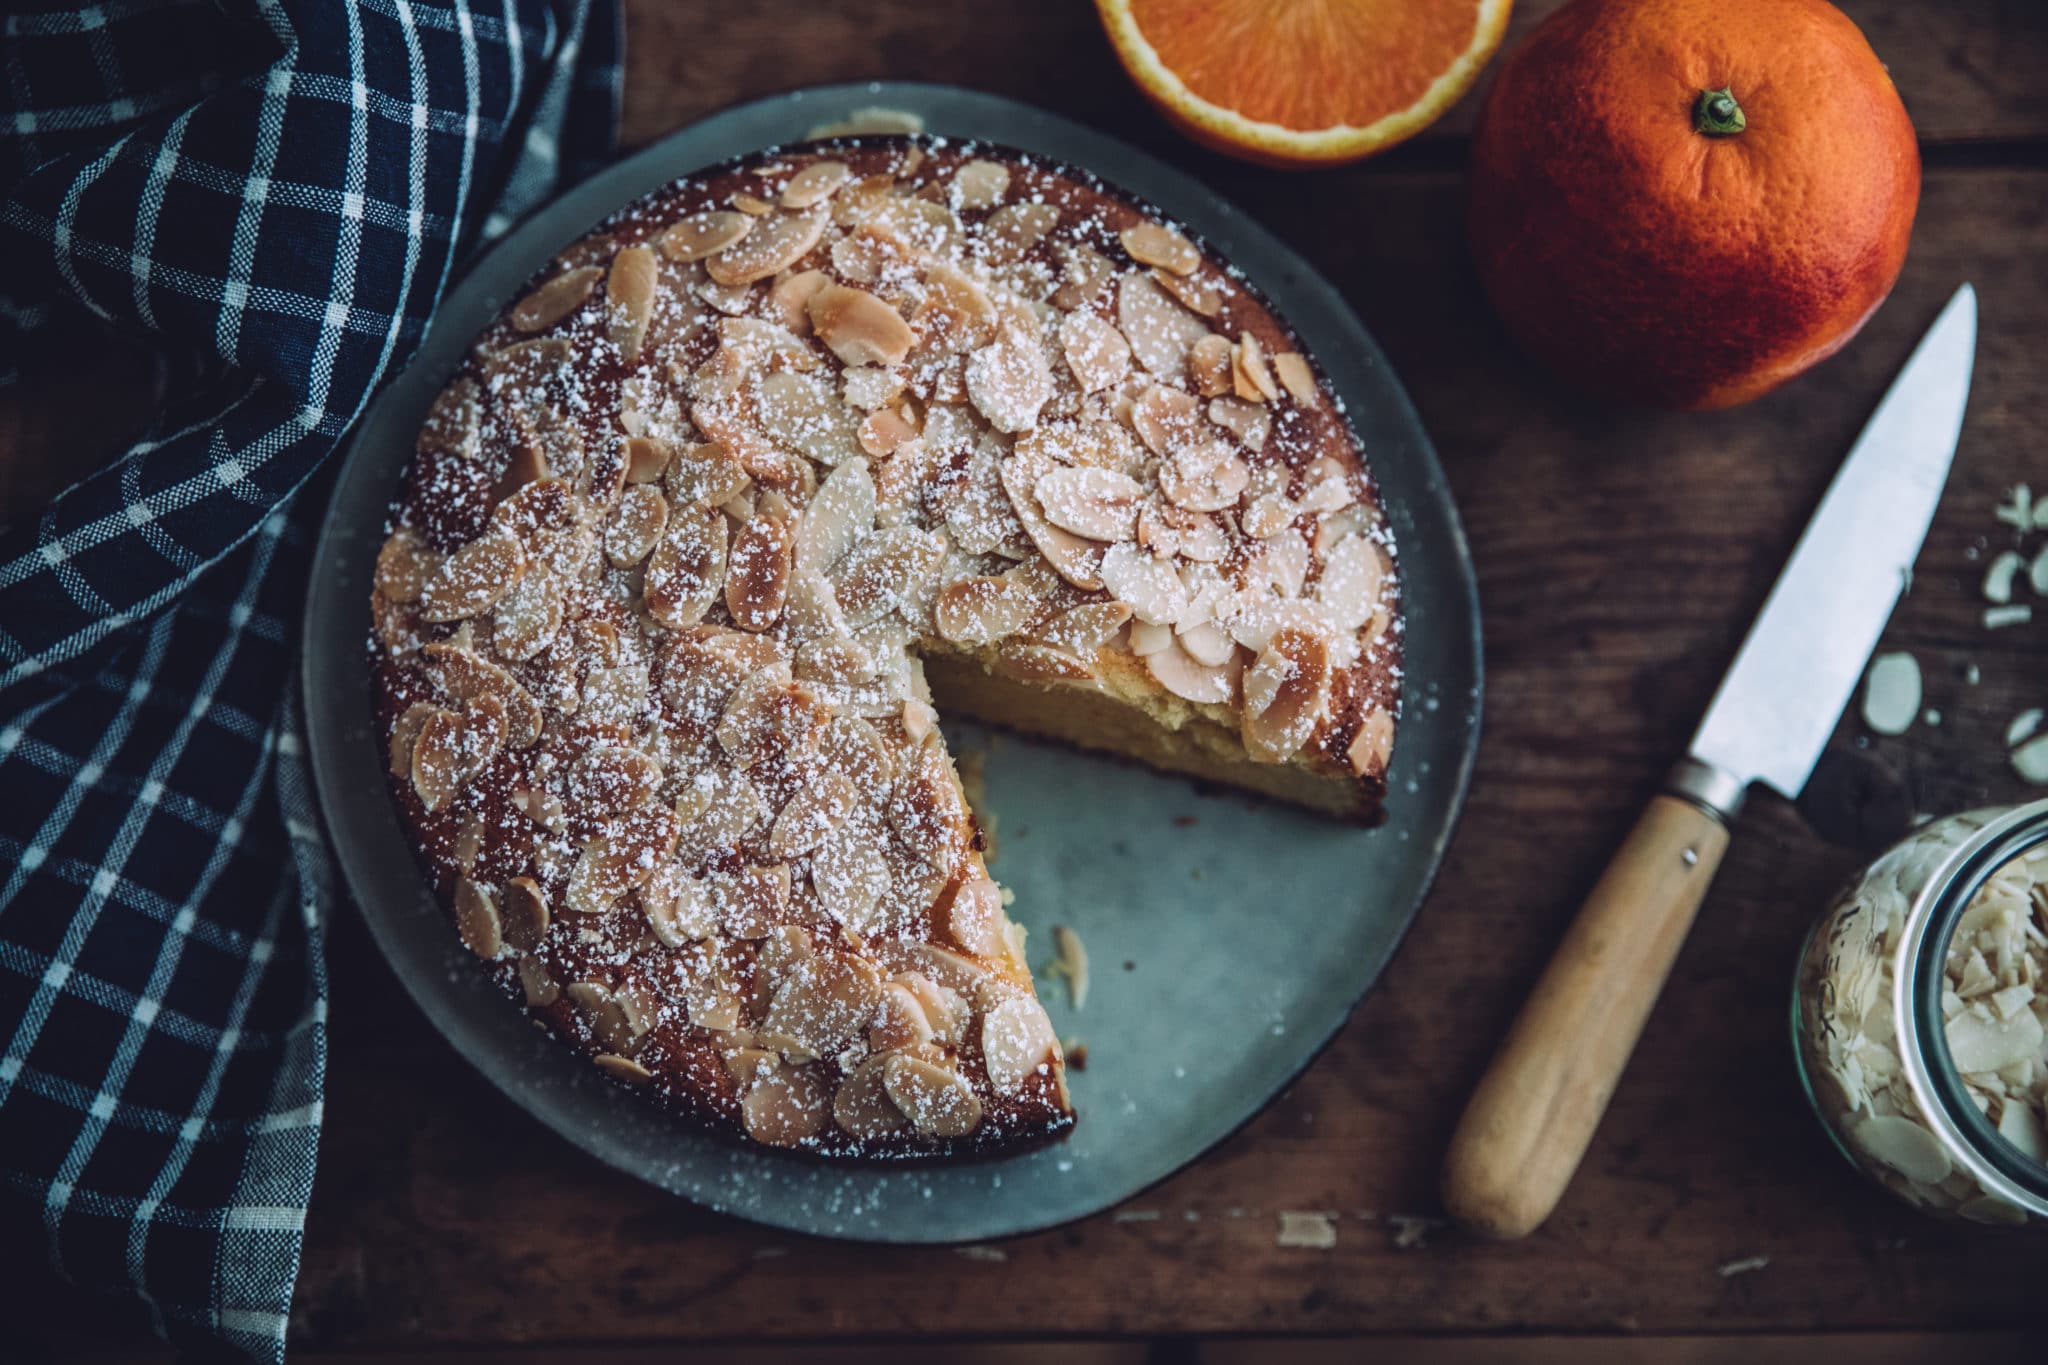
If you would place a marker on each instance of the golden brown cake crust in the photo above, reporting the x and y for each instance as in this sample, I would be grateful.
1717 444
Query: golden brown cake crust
647 618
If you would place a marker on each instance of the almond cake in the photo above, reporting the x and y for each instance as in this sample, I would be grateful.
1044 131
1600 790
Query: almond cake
752 484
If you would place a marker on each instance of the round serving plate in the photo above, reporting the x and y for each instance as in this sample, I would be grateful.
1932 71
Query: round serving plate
1230 938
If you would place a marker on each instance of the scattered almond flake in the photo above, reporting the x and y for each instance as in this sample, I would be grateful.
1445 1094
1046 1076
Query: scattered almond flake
2017 508
1742 1266
1972 675
977 1252
1135 1216
1997 618
2023 726
1891 693
1308 1229
2037 571
1071 965
2030 760
1411 1231
1930 717
1998 577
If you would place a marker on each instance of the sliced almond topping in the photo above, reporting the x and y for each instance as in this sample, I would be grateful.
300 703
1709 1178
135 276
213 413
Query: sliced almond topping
851 748
686 571
609 778
612 864
1151 244
1012 231
1150 586
1250 378
1179 673
1096 351
1083 630
1101 504
629 299
814 184
937 1099
1284 695
1373 745
858 327
1008 383
403 564
1209 366
791 298
1083 273
1102 445
1166 419
1159 329
776 243
1353 575
884 431
679 907
556 299
535 983
706 475
704 234
524 911
804 411
473 579
647 459
1250 423
838 518
1193 291
1076 559
980 185
981 611
622 1068
1017 1042
753 205
1208 644
406 731
1206 477
850 874
465 675
971 912
731 299
823 1004
453 748
454 422
926 810
757 577
869 387
601 1010
785 1108
636 527
1296 377
810 815
1042 663
899 1021
476 919
861 1106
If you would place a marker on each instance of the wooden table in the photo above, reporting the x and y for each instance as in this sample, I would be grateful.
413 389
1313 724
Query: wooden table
1620 556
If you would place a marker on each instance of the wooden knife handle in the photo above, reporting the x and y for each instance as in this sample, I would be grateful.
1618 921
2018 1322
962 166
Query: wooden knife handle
1529 1122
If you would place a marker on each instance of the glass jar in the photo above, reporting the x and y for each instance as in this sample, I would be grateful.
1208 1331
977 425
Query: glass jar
1918 1013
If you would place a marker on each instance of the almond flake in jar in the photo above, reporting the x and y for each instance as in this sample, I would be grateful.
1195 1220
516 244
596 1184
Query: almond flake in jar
1870 1075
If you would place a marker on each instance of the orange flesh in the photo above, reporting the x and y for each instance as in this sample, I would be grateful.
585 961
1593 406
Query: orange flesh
1308 64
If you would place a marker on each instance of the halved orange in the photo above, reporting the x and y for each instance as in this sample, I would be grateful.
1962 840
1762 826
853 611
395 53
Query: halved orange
1303 82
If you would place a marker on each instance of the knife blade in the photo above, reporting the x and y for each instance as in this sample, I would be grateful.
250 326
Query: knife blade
1780 699
1535 1110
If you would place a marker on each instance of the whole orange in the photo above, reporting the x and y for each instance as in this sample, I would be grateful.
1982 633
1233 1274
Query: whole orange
1687 202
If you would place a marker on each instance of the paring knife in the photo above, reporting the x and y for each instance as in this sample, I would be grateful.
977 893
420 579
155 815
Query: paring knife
1529 1122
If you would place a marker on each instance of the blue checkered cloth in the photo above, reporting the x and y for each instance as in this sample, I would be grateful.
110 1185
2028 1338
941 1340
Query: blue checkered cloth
276 192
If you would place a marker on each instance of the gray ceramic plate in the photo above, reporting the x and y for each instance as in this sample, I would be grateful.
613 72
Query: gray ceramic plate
1230 939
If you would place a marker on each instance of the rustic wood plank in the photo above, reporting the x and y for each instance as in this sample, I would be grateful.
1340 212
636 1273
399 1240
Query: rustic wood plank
1969 69
1620 554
